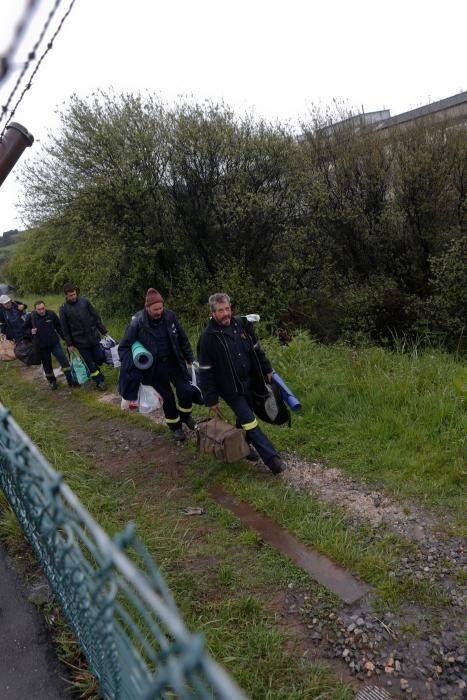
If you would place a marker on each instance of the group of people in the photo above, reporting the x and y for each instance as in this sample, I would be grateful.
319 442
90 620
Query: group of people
232 364
78 325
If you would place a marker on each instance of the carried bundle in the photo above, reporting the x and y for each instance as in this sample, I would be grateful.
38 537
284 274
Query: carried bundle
217 437
110 347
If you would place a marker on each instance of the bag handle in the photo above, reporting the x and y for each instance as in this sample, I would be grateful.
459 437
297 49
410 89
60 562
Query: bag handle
219 415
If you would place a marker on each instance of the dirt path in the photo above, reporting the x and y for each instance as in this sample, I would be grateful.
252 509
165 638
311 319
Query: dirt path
412 652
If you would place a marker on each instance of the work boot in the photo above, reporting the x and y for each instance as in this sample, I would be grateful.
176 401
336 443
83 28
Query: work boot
276 465
53 386
253 456
178 434
69 380
190 422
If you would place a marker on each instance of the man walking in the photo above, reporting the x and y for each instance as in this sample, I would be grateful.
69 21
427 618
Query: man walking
44 325
159 331
12 314
82 329
233 366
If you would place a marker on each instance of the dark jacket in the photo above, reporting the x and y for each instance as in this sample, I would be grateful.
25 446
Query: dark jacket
48 328
81 323
217 370
12 321
140 329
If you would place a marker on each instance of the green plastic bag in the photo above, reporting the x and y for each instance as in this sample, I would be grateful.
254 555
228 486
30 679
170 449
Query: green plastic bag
79 368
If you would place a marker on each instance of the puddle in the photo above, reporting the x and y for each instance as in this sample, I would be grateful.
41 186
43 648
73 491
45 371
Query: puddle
320 568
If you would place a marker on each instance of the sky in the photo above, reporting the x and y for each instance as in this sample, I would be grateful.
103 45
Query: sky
275 58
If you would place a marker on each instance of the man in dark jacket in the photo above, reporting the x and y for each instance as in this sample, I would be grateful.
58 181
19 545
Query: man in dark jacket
44 326
233 366
82 329
12 314
159 331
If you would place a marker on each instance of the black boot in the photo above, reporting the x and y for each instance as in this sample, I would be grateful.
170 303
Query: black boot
189 422
276 465
253 456
178 434
69 380
53 385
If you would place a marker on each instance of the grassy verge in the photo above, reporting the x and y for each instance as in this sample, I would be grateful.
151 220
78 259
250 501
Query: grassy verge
397 419
223 579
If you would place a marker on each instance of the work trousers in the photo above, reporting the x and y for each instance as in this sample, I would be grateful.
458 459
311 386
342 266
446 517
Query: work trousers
94 357
163 374
46 359
246 419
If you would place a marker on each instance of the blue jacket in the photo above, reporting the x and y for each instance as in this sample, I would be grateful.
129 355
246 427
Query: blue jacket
12 321
140 329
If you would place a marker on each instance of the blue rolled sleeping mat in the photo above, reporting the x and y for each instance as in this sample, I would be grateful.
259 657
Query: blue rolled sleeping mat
289 397
131 373
142 358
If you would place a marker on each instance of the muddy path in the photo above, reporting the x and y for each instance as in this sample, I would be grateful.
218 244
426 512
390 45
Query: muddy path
414 652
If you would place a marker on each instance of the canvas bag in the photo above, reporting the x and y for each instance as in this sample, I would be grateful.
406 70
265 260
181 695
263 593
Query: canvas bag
7 350
215 436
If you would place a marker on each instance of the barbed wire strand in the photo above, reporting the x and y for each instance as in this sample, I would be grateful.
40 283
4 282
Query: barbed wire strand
21 26
31 56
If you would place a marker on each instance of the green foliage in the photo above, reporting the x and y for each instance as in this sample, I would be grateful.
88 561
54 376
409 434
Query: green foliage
346 233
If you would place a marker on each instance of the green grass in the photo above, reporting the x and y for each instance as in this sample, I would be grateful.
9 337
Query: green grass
226 596
398 420
393 419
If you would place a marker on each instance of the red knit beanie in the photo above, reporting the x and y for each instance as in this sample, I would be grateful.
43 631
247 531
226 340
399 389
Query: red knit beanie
153 297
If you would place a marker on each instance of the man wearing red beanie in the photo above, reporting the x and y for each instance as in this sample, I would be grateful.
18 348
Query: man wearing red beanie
159 331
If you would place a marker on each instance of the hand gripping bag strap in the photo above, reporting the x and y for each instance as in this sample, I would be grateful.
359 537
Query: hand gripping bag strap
219 438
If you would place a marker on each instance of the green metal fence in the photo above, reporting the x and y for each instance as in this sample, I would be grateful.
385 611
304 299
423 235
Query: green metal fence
111 592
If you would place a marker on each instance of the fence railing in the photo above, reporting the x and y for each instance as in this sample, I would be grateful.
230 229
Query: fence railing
111 592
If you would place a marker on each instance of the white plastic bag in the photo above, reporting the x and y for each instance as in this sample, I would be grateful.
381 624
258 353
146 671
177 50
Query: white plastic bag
108 342
197 396
148 399
110 347
112 357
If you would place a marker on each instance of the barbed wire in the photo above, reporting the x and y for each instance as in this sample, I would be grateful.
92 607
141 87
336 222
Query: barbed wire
31 56
5 59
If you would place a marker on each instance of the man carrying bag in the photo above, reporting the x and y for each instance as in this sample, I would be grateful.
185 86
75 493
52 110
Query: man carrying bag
44 327
233 366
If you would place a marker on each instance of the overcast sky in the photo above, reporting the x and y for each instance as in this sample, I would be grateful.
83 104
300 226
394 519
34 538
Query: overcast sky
274 57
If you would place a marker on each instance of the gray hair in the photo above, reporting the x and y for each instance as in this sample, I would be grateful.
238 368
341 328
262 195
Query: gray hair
218 298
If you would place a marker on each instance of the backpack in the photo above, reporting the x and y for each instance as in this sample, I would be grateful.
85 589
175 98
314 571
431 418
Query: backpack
217 437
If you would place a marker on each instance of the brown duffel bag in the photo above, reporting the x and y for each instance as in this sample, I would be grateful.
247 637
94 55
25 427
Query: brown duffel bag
218 438
7 350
